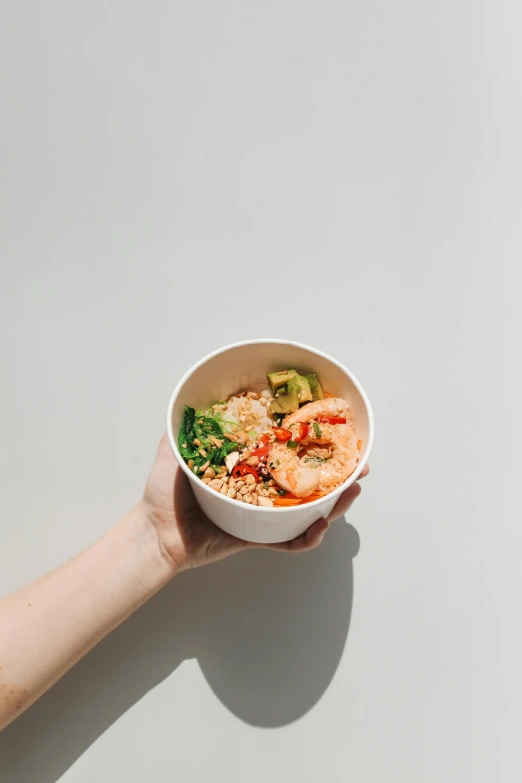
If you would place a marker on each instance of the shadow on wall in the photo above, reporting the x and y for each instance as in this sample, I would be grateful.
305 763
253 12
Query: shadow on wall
268 630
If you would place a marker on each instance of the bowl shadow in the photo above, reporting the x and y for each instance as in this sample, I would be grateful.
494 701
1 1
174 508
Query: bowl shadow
268 630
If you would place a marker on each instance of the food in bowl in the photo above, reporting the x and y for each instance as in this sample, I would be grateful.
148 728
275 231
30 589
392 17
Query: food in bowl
286 445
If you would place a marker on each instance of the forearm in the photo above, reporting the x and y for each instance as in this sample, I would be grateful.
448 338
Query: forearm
49 625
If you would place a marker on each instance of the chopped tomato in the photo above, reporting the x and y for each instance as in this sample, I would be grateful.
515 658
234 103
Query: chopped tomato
265 439
300 431
282 434
332 419
261 452
242 470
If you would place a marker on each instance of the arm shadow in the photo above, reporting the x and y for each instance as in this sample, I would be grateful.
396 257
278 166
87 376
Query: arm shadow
268 630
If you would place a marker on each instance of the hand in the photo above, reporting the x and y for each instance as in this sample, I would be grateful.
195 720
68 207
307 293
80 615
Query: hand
188 538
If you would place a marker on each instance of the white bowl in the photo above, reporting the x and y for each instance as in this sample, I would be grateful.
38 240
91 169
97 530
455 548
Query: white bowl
245 365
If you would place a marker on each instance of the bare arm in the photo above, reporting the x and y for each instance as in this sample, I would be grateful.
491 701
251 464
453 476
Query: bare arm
50 624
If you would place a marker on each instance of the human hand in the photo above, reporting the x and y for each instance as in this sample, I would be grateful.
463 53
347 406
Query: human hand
187 537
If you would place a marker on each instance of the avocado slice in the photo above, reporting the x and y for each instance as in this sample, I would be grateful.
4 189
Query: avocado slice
286 402
277 380
315 386
305 394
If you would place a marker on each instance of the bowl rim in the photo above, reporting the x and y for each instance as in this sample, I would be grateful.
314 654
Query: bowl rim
271 510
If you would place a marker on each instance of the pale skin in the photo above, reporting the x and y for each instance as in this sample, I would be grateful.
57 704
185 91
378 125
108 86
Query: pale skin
47 626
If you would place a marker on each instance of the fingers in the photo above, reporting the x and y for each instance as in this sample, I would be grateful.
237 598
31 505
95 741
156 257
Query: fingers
315 533
345 501
309 540
364 472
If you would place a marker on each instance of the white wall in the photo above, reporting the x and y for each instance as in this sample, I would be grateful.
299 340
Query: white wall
176 176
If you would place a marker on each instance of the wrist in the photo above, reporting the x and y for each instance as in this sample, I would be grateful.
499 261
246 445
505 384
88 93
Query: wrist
155 566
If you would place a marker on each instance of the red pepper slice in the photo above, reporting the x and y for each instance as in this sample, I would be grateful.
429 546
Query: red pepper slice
282 434
265 439
332 419
241 470
300 431
261 452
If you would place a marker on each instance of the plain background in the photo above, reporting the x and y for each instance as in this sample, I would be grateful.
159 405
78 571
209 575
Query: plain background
176 176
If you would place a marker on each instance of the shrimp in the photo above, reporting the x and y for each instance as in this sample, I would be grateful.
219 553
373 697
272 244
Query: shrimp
306 469
333 406
290 473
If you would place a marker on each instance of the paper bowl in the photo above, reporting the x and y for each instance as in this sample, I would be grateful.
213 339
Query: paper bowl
245 365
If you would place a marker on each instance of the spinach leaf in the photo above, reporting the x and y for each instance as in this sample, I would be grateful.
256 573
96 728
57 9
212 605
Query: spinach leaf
197 425
186 433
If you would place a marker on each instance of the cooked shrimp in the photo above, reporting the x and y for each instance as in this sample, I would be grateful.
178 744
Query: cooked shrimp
333 406
344 459
308 468
289 472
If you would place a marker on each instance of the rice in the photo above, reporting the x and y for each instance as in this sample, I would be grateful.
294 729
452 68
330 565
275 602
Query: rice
247 414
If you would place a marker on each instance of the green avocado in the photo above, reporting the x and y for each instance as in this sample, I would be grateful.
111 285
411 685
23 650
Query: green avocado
286 401
315 386
305 394
277 380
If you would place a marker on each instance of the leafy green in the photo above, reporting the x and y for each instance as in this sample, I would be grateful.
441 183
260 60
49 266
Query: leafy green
317 429
186 433
225 449
292 444
202 427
